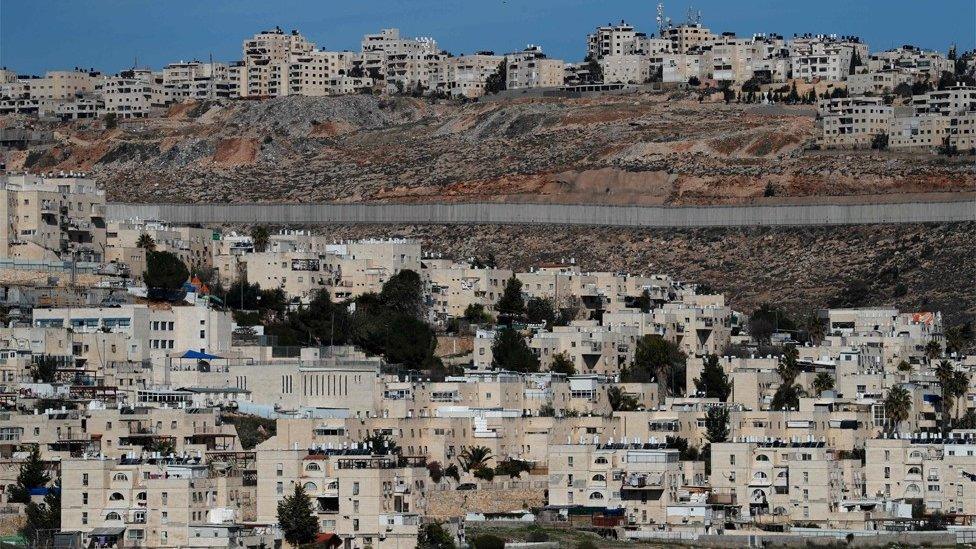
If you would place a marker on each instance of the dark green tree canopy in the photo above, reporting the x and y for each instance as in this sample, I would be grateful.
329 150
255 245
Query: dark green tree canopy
164 272
296 517
403 293
33 474
511 352
657 358
539 310
717 424
511 302
714 382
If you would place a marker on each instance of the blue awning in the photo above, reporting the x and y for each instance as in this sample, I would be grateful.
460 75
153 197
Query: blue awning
198 355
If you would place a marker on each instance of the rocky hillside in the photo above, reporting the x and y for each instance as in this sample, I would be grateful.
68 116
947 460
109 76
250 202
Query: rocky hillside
648 149
912 267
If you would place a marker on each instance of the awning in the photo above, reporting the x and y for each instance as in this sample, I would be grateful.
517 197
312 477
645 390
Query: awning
198 355
107 531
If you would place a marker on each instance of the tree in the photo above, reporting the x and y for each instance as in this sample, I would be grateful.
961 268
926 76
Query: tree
45 369
164 272
42 519
33 474
823 382
539 310
656 357
879 142
933 350
594 68
296 518
260 236
475 313
146 242
511 352
714 382
766 320
561 364
897 406
451 471
435 471
111 121
959 338
487 541
685 452
434 536
787 396
620 401
511 302
513 468
484 473
498 80
958 387
855 62
474 457
403 293
694 82
717 424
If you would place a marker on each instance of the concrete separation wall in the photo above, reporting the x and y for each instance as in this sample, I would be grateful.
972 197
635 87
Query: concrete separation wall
555 214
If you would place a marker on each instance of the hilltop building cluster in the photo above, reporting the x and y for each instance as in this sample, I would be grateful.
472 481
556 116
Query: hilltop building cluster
401 393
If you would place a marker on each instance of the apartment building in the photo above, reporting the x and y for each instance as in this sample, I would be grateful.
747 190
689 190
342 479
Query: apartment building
194 246
854 122
613 40
368 500
775 480
405 63
878 82
825 57
155 330
687 37
266 57
158 501
923 467
641 478
465 75
913 61
51 217
133 97
530 68
456 286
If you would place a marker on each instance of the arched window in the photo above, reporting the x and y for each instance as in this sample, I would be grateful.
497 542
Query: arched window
599 478
762 457
912 489
141 496
600 460
313 467
760 476
915 454
120 476
914 470
779 510
116 497
781 474
310 487
758 496
596 495
113 516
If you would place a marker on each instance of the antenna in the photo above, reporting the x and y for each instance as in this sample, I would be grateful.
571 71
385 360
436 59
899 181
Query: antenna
660 17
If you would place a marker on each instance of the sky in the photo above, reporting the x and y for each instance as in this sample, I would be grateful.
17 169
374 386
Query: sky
111 35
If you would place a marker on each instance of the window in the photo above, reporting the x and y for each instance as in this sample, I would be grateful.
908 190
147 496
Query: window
762 457
596 495
84 479
280 488
313 467
84 498
355 488
84 517
600 460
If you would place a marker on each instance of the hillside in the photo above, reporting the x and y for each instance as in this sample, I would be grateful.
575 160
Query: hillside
645 149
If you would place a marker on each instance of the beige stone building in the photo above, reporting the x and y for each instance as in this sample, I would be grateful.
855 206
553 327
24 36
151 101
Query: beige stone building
51 217
530 68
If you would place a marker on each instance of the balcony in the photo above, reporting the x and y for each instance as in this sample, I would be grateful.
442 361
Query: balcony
643 481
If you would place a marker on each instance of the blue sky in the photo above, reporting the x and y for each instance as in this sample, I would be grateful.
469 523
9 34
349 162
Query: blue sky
110 35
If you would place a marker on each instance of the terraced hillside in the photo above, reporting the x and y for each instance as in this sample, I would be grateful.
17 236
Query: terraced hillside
645 149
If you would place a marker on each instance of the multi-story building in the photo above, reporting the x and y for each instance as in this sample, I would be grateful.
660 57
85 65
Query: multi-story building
530 68
50 217
825 57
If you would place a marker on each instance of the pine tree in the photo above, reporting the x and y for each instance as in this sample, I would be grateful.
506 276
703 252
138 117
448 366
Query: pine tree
510 352
33 474
42 519
296 518
511 302
713 381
